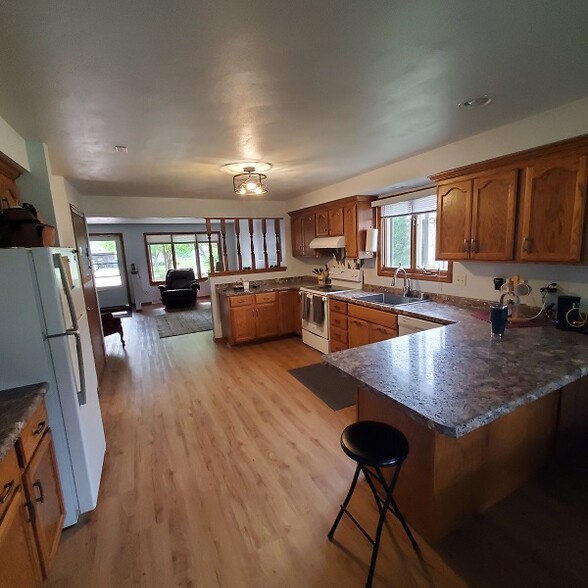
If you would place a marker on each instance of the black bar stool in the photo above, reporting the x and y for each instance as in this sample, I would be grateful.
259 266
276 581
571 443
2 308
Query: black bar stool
375 445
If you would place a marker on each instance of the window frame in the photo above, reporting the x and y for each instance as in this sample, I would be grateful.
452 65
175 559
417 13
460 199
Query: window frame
197 269
412 272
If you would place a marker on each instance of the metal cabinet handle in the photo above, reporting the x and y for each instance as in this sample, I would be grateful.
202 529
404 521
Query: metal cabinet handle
474 245
40 428
7 490
39 486
527 245
466 244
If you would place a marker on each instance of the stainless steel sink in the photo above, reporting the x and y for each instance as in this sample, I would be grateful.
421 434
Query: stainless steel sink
390 299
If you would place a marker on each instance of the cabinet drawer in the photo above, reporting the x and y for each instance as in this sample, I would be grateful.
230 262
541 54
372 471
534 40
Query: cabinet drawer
245 300
339 335
32 434
380 317
339 320
264 297
337 306
337 346
9 479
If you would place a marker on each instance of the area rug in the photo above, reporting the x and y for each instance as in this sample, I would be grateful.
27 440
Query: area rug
334 389
182 322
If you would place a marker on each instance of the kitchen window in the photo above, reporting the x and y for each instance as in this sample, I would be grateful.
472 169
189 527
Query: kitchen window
165 251
408 236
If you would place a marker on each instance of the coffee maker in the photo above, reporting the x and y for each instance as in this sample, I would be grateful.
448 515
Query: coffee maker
565 304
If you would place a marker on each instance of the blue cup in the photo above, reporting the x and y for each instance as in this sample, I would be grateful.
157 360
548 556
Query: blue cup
498 316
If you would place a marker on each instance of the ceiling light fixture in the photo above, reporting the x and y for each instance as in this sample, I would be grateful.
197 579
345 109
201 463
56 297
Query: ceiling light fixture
477 102
249 182
121 149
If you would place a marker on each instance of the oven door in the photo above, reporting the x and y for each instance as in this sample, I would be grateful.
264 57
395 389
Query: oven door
314 309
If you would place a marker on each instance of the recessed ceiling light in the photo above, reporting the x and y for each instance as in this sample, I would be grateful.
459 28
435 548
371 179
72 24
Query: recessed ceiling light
477 102
239 166
121 149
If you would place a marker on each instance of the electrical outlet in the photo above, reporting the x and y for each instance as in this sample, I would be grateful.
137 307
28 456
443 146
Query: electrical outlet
460 280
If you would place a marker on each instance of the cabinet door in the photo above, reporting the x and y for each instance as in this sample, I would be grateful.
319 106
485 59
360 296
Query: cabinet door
336 221
322 223
242 324
493 216
358 332
553 210
350 226
44 491
287 309
266 320
308 234
454 213
19 561
297 236
381 333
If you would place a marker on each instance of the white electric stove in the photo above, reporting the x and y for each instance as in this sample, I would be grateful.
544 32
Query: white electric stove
314 306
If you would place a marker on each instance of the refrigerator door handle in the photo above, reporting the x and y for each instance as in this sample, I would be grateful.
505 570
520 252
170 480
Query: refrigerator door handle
73 333
67 290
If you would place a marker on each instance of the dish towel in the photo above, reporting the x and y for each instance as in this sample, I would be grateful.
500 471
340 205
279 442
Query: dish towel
318 310
306 304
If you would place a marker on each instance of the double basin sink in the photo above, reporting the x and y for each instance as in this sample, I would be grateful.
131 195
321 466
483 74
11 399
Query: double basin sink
390 299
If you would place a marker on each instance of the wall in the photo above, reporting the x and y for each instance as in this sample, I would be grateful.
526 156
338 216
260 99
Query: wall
13 145
554 125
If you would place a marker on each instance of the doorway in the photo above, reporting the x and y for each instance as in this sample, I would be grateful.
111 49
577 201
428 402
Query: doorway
110 272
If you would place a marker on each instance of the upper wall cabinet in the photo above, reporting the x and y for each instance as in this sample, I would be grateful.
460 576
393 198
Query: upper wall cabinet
350 217
476 217
553 209
529 206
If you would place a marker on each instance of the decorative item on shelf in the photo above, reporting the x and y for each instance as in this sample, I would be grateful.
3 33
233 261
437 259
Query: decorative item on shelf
248 179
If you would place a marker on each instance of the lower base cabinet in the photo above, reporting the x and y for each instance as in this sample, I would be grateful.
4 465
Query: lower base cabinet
19 560
250 317
31 506
44 493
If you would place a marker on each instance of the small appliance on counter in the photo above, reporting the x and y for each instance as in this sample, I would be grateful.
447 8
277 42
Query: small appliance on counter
569 315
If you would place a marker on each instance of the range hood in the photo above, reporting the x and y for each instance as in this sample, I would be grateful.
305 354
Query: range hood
327 243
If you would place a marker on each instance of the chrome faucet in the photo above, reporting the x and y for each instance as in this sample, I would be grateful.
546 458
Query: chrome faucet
406 288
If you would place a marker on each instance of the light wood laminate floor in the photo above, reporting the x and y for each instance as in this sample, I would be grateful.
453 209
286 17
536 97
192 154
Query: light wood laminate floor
223 471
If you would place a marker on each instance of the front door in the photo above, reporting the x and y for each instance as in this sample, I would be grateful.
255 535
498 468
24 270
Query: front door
108 261
90 297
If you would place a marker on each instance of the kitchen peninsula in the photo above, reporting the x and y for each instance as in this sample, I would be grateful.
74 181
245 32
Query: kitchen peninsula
481 415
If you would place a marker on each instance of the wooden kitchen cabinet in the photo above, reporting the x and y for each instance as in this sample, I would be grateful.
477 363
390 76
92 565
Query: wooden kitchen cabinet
31 506
290 319
19 559
251 317
476 217
349 217
303 232
44 492
359 332
369 325
526 206
553 209
357 218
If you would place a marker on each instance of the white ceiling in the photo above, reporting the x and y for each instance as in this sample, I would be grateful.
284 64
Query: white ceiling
322 89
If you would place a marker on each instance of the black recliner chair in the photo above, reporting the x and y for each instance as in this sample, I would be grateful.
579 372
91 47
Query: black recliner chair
180 288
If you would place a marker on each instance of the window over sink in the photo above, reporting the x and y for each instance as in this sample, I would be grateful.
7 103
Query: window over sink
408 229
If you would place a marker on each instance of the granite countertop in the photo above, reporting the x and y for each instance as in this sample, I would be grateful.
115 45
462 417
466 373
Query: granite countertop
456 378
227 289
17 406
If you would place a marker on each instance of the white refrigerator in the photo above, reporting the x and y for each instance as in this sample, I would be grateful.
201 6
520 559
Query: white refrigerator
45 337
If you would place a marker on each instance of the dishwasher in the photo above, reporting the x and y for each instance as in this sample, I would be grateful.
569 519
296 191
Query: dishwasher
407 325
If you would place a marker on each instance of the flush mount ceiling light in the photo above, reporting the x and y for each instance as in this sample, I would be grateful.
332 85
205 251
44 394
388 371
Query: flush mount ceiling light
238 167
249 182
473 103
